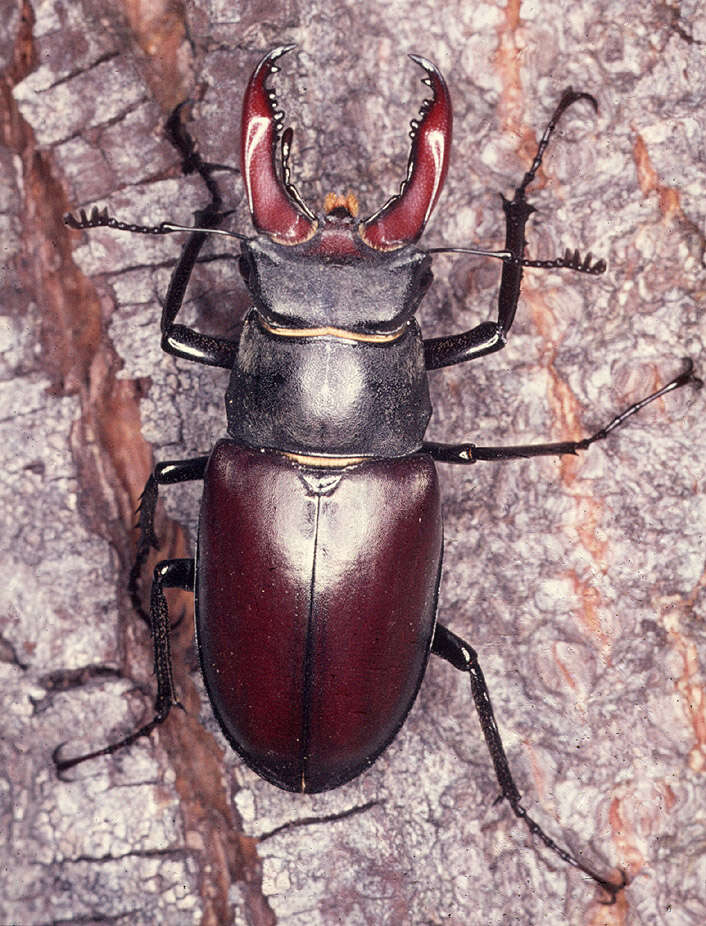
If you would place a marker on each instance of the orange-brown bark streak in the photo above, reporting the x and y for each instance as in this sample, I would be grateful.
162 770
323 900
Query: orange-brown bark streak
111 457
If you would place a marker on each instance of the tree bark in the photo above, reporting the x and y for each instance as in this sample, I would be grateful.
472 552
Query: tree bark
580 582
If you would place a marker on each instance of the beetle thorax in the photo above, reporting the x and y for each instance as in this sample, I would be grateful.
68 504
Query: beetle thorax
307 286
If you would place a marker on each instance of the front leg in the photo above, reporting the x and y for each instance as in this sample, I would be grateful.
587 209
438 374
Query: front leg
180 340
489 337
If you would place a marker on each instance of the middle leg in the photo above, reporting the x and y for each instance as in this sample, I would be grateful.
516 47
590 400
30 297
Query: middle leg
168 473
470 453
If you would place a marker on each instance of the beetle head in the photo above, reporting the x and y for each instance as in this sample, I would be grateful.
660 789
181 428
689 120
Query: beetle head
280 213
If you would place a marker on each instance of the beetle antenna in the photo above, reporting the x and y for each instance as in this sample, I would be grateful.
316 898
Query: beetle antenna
478 252
99 218
570 261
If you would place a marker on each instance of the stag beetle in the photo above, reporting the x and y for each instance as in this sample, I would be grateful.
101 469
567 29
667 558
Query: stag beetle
320 539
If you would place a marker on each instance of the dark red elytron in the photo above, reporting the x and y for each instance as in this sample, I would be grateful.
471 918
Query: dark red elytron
328 584
320 539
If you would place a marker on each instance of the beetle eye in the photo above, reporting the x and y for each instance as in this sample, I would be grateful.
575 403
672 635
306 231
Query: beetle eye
245 269
424 280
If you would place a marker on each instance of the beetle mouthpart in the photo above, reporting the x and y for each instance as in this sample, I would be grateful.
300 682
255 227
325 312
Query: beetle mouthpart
403 217
347 204
275 206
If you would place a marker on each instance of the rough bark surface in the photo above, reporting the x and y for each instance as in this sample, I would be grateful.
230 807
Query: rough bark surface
579 581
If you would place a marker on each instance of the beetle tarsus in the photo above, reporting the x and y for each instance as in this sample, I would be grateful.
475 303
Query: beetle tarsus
685 378
63 765
191 160
568 98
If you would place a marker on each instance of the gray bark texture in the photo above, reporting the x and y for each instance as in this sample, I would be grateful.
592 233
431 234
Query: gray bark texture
580 581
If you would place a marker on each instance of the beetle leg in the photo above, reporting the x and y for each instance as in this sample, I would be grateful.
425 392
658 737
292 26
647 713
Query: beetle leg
170 573
469 453
180 340
168 473
461 656
489 337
